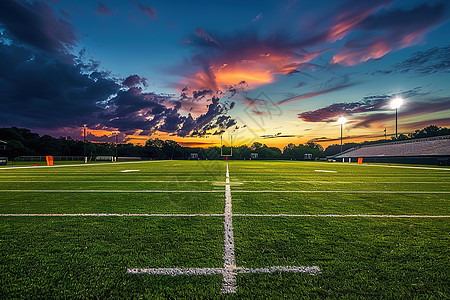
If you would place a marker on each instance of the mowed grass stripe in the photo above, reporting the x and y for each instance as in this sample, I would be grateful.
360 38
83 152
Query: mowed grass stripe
123 203
341 203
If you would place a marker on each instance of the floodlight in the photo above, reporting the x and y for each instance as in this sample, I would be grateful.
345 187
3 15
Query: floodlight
342 120
396 102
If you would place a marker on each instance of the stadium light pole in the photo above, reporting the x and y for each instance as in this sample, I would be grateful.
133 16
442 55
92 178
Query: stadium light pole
117 138
395 104
342 121
84 142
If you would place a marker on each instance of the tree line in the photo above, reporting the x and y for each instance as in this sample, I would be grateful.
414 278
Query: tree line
23 142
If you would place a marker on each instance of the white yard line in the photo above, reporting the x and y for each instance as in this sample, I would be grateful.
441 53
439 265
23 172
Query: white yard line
110 215
337 216
107 181
221 215
347 192
221 191
108 191
223 271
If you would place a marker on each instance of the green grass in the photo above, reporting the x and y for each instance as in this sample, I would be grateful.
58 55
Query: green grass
359 258
87 257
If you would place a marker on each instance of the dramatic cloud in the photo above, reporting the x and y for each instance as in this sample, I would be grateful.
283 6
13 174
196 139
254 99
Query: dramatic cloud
220 61
434 60
35 24
45 88
332 112
368 30
374 111
103 10
388 30
147 10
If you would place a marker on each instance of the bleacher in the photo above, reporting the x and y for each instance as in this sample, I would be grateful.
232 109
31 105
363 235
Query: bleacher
426 147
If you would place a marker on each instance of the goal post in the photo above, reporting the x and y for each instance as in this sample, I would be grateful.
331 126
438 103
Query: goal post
226 146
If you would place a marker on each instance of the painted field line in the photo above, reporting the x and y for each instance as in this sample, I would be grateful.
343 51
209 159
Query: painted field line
346 192
84 165
221 215
325 171
221 191
107 181
110 215
337 216
229 260
108 191
127 171
223 271
335 182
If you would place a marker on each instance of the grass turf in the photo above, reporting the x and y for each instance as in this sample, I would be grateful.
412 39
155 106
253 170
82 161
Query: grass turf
51 257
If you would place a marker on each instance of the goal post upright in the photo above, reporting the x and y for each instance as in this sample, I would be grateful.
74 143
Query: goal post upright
222 146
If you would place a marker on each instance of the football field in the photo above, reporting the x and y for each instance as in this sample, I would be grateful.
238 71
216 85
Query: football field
212 229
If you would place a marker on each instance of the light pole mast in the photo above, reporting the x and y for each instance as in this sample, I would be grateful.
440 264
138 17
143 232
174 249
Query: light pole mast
342 121
395 104
84 143
117 138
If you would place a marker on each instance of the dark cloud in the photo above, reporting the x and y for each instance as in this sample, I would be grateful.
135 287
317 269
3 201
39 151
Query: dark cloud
41 90
46 89
134 80
352 137
332 112
35 24
147 10
434 60
103 10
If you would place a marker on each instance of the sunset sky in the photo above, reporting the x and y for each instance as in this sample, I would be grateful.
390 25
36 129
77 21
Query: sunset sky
276 72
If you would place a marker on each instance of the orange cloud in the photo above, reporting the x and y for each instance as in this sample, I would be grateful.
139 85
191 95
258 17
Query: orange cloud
255 68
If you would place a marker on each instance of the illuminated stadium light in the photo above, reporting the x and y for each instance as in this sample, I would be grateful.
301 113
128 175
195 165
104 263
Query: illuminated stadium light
342 121
396 103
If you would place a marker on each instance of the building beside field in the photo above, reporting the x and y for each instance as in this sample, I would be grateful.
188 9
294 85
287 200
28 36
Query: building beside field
433 151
